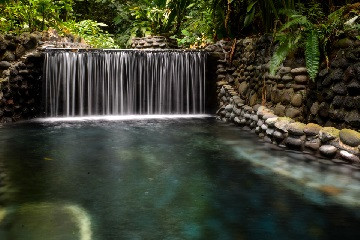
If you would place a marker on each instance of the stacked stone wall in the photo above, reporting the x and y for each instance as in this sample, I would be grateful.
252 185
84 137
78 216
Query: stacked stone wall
21 69
153 42
289 109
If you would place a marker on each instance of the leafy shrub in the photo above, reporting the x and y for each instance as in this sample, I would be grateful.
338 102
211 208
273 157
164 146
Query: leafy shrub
91 32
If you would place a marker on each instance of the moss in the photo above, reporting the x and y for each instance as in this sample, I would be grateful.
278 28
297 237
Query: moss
312 129
350 137
331 131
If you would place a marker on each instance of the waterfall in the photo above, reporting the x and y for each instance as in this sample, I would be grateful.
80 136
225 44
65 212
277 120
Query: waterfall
123 82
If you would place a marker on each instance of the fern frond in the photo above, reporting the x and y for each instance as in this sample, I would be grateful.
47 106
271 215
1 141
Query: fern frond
295 20
312 54
282 52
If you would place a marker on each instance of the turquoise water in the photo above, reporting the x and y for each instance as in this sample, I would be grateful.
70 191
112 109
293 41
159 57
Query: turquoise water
154 179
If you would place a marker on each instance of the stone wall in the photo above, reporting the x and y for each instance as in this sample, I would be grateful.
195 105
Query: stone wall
288 109
153 42
335 98
248 73
21 68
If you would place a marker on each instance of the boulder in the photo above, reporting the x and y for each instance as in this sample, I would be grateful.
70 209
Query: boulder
328 133
314 108
301 79
353 87
339 88
312 129
298 71
292 112
282 123
349 156
293 142
279 110
296 100
350 137
4 65
313 144
328 150
296 128
353 119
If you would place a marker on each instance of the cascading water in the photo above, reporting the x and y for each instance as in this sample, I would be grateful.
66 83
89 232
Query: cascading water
124 82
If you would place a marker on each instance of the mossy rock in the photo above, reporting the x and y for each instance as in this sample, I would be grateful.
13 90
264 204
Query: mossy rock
312 129
328 133
296 128
350 137
282 123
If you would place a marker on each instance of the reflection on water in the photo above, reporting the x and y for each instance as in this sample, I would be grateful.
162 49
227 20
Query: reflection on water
156 179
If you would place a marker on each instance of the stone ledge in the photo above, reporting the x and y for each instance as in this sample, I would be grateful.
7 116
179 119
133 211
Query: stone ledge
327 142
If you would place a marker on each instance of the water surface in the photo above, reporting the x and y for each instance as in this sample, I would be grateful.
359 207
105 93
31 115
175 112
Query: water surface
156 179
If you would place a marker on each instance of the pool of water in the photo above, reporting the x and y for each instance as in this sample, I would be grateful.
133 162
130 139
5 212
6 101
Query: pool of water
164 179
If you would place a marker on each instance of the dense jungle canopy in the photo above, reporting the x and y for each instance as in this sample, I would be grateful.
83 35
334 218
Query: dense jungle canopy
307 25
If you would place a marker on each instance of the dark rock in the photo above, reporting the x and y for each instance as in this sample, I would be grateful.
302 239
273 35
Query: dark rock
339 88
353 88
4 65
338 101
350 137
9 56
323 110
334 76
328 150
293 142
314 108
337 114
323 72
340 63
344 43
292 112
329 95
349 103
353 119
20 51
313 144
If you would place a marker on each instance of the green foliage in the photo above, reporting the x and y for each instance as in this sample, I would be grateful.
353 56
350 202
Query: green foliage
310 31
92 33
312 54
33 15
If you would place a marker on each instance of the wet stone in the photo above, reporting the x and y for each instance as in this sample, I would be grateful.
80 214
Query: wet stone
349 156
312 129
313 144
350 137
328 150
293 142
298 71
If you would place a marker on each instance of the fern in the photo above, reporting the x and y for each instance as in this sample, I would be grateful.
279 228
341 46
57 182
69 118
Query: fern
312 54
295 21
282 52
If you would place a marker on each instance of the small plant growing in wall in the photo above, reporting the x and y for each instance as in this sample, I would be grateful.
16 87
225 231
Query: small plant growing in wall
312 33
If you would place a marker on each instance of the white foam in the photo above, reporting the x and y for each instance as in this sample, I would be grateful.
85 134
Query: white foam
122 117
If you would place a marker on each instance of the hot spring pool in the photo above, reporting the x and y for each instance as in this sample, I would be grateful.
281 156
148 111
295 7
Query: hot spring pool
166 179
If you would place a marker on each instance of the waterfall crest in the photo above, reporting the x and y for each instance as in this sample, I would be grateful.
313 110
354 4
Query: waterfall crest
90 83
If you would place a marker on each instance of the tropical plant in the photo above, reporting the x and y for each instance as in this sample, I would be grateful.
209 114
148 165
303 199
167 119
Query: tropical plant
91 32
299 32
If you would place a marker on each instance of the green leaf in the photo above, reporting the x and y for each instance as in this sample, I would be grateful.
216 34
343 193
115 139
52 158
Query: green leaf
281 53
312 54
250 7
249 18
